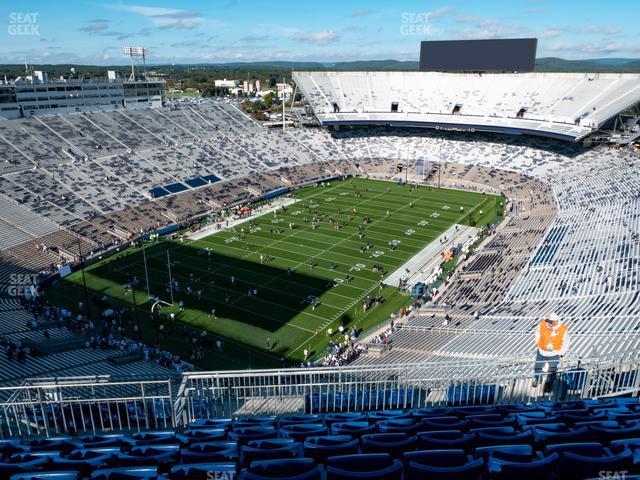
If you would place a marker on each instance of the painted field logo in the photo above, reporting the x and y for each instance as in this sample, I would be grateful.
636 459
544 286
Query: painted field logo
21 23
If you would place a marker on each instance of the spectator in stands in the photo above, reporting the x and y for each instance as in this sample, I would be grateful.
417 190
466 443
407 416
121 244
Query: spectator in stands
552 342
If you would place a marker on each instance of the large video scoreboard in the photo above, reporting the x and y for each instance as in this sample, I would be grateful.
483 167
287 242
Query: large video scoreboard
506 55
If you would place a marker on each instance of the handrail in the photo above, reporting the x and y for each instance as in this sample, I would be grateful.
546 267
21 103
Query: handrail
98 404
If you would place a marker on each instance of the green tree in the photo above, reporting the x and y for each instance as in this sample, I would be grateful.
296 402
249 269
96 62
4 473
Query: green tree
268 100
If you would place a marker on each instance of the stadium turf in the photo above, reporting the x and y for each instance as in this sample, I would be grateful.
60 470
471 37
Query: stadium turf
290 270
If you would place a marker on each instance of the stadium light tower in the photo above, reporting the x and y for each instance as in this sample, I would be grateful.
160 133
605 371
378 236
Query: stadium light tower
137 53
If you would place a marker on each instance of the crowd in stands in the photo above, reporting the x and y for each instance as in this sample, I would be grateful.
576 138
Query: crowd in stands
132 347
14 350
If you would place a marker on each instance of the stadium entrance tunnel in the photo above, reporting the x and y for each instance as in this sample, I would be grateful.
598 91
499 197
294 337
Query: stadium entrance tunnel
260 305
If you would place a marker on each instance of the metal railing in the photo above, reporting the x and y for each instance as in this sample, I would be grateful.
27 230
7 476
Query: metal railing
94 405
401 386
85 405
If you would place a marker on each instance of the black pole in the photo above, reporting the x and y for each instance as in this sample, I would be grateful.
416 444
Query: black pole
84 282
135 305
439 165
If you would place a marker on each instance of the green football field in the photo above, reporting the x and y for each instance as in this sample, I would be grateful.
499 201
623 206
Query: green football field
307 279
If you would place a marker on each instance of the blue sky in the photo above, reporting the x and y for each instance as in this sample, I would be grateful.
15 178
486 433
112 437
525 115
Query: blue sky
188 31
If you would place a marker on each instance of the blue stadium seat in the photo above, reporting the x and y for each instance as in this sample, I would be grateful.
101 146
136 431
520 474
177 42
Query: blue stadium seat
515 453
243 435
46 476
205 435
619 445
331 418
9 447
26 462
494 430
299 419
106 440
446 439
203 471
395 444
299 432
388 414
627 401
430 412
537 469
129 473
321 448
269 449
444 423
63 444
622 415
607 434
211 423
364 466
537 418
582 460
502 436
254 422
475 410
590 449
597 423
573 417
477 395
149 455
85 460
211 452
442 465
355 429
491 420
156 438
409 426
544 435
292 469
518 408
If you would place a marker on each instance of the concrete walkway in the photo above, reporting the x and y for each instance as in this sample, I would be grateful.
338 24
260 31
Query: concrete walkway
422 265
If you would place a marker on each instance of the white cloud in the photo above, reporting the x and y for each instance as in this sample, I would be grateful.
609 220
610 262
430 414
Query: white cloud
595 48
321 37
363 13
165 18
478 22
601 30
551 33
556 31
326 37
96 26
439 12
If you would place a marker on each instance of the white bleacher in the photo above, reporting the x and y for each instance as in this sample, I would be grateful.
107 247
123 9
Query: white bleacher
596 191
563 105
586 266
19 224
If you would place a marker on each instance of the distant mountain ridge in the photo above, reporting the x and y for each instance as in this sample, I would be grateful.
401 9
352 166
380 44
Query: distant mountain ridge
547 64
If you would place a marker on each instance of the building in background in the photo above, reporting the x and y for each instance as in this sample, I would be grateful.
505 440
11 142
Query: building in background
36 94
227 83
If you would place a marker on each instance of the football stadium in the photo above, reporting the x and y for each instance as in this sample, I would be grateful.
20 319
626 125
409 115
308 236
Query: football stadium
425 274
